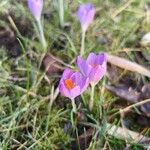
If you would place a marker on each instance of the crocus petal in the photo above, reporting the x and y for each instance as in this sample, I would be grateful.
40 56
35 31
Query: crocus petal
80 80
96 74
83 66
67 74
76 77
84 84
91 59
63 90
69 93
36 7
86 13
101 59
74 92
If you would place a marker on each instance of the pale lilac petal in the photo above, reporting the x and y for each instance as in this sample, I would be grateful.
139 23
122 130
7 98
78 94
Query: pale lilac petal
86 13
83 66
80 80
101 59
67 74
36 7
75 92
91 60
84 84
97 73
76 77
63 90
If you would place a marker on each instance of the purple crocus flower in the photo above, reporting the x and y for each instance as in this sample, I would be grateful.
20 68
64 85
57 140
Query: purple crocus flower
36 7
72 84
86 13
94 67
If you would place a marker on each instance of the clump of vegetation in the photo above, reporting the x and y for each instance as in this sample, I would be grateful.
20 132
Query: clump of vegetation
51 97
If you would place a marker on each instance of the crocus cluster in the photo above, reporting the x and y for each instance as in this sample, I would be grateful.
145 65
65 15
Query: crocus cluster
72 84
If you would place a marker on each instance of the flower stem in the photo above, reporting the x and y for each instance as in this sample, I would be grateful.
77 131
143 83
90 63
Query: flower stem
91 102
82 42
42 37
73 105
61 12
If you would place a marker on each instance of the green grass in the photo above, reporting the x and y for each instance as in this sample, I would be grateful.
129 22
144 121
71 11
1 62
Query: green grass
28 120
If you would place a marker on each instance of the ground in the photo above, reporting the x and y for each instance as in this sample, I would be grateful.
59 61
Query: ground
34 115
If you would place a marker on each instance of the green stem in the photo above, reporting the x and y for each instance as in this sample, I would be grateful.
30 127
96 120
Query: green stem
61 12
91 102
42 37
82 43
73 105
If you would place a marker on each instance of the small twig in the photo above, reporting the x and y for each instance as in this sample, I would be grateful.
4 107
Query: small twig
129 108
60 61
135 105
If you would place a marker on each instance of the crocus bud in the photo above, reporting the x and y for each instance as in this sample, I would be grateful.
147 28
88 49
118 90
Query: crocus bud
94 67
72 84
36 7
86 13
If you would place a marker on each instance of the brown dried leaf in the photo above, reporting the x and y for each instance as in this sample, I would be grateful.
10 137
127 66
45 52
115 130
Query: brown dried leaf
51 65
144 121
128 65
125 92
146 91
131 95
145 94
127 135
112 73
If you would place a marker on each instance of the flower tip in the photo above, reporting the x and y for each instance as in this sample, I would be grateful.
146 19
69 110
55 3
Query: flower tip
104 56
86 13
36 6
